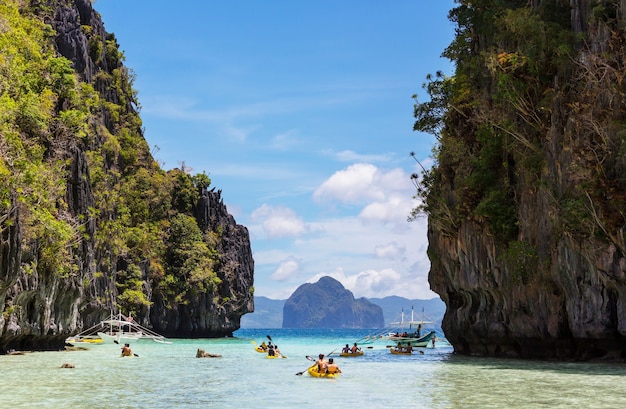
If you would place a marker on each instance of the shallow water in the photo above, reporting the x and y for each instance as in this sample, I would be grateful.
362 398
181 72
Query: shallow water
170 376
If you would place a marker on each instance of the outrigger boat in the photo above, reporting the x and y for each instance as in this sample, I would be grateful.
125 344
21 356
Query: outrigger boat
121 329
413 336
118 330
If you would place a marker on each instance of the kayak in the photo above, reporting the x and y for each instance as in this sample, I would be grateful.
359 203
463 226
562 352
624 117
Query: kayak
358 353
261 350
316 374
398 352
274 356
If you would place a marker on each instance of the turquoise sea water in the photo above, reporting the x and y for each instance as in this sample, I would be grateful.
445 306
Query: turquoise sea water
170 376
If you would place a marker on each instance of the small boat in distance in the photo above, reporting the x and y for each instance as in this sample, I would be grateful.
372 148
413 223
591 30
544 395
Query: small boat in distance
117 329
121 330
357 353
413 334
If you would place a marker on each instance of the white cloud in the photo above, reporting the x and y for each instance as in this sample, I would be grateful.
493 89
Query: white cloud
364 183
286 269
352 185
394 210
351 156
373 254
285 140
390 250
279 221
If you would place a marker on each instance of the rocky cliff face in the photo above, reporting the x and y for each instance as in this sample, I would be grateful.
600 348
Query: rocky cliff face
219 314
554 284
113 256
327 304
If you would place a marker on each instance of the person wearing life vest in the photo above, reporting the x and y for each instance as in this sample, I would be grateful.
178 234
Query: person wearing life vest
332 367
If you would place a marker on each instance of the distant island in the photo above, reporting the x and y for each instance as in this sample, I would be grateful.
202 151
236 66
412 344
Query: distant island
268 313
327 304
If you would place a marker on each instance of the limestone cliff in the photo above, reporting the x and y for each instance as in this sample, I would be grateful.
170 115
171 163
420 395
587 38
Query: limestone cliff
327 304
527 202
89 223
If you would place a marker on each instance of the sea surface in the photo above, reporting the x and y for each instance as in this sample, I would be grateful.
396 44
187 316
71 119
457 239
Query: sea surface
170 376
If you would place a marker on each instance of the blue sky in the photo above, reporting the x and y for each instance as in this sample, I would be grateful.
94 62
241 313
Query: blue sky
301 112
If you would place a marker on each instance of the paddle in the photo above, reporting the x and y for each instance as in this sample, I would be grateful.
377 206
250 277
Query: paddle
270 338
310 358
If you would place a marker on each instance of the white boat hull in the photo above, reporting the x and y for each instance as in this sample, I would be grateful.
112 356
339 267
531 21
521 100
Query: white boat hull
123 338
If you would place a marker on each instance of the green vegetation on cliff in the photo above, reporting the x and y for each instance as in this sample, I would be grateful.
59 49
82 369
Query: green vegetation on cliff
526 201
516 71
76 171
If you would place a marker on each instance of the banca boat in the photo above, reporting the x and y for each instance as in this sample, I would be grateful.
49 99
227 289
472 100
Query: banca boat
117 329
413 334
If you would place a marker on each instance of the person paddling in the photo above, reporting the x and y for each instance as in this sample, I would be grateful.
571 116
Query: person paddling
321 364
126 351
332 366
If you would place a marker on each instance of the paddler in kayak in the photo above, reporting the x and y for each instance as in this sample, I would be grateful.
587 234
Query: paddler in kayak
126 351
332 367
321 364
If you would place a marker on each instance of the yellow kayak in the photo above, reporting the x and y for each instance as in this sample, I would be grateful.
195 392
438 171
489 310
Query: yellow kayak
261 350
358 353
316 374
